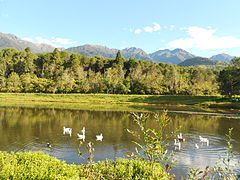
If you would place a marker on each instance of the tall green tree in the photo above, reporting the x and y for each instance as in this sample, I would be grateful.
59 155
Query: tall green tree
229 79
14 83
119 59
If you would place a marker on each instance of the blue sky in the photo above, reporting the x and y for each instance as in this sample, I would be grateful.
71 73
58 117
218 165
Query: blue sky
204 28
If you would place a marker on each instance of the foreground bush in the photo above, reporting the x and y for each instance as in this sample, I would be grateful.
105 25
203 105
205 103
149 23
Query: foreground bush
37 165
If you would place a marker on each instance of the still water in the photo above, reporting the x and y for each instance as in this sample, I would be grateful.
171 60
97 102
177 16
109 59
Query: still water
25 129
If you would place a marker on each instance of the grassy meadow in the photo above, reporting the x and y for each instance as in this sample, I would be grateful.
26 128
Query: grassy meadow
117 102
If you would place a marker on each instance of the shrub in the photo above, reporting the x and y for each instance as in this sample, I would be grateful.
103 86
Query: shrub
37 165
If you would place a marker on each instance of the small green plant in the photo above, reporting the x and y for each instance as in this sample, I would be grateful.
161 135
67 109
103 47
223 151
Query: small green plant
195 173
153 142
223 167
90 149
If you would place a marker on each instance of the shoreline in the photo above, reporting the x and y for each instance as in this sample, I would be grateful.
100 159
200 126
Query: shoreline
115 102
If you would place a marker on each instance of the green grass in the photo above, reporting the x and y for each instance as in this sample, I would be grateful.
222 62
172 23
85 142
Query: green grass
116 102
106 98
37 165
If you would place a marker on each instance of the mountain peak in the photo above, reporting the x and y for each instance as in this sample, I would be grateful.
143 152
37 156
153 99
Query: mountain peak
222 57
136 53
179 50
174 57
12 41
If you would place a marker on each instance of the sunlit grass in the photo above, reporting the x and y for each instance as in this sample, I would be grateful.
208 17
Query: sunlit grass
117 102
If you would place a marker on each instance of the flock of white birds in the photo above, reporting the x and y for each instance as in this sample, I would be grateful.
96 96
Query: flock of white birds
177 142
180 139
81 136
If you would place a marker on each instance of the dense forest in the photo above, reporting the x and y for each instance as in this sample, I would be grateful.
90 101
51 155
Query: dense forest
67 72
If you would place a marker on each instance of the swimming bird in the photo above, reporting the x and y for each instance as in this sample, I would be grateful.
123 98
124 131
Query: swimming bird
99 137
177 144
49 145
67 130
204 140
81 136
180 137
196 146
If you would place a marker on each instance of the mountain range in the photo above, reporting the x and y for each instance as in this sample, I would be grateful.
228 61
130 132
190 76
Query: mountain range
175 56
12 41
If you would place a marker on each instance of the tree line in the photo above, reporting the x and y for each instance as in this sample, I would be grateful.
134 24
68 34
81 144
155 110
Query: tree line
67 72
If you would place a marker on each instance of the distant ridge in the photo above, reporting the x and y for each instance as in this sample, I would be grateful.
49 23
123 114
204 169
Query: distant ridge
12 41
222 57
175 56
198 61
165 56
97 50
94 50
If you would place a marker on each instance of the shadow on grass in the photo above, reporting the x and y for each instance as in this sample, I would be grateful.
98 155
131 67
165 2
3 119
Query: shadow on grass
175 100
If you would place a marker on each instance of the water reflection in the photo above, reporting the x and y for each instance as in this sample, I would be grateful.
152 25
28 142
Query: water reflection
23 129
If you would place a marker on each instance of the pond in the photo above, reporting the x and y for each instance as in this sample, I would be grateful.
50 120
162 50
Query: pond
30 129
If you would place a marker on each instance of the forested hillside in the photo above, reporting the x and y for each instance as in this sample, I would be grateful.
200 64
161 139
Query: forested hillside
198 61
67 72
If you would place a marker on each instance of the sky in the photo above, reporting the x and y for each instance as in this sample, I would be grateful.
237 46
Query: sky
202 27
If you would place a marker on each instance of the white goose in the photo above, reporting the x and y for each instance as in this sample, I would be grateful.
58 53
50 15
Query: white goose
204 140
81 136
67 130
196 146
180 137
99 137
177 144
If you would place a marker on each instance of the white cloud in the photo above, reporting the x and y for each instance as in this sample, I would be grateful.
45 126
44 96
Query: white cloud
138 31
55 42
41 40
204 39
63 41
156 26
148 29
